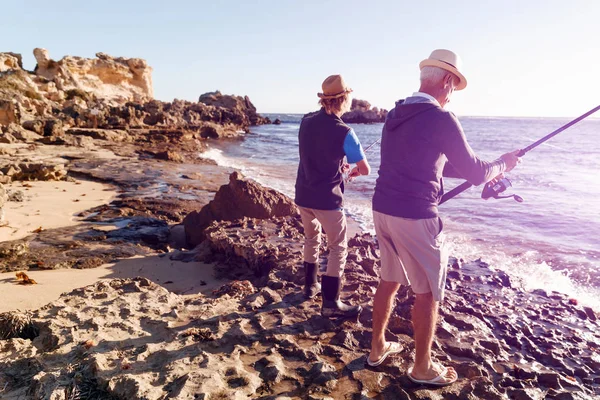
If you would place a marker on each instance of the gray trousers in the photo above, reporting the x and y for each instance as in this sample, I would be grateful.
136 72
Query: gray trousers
334 224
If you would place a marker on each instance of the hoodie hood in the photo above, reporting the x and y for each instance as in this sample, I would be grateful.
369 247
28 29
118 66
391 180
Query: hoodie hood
406 109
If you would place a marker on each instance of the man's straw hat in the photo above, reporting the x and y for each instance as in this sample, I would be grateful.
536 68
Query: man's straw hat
333 87
449 61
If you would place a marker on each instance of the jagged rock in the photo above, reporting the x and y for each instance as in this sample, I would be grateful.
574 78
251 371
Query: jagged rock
362 113
116 79
35 172
10 61
239 199
21 134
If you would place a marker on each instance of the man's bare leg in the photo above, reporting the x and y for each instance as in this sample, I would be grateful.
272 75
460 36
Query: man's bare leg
382 309
424 316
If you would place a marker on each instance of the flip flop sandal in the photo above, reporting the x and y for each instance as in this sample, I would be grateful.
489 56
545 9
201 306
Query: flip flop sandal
437 381
391 348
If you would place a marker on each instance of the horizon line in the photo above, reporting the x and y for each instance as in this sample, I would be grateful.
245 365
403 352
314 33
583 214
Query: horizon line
460 116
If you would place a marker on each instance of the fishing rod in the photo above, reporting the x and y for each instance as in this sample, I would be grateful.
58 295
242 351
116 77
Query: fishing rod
372 144
495 187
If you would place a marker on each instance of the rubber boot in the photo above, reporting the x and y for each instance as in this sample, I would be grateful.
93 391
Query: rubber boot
311 284
332 305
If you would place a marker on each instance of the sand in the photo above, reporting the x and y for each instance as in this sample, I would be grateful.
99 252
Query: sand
176 276
51 204
56 204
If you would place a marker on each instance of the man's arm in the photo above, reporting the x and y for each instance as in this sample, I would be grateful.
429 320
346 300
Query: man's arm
464 162
355 154
450 172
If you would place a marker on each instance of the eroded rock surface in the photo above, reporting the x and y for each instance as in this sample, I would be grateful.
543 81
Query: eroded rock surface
240 198
116 79
261 339
109 93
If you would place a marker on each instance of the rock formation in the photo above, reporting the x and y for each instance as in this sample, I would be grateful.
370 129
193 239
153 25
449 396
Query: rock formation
257 337
109 93
241 108
115 79
240 198
362 113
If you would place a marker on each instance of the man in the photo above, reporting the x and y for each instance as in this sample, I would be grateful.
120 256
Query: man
324 141
421 142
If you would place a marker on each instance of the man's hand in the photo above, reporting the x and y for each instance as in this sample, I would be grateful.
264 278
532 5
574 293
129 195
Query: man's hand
354 173
511 160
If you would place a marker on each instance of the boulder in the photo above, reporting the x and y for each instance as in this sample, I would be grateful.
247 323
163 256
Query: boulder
362 113
238 199
36 126
240 109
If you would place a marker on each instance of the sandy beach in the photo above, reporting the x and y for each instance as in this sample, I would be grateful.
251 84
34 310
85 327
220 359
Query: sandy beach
50 205
176 276
58 204
162 275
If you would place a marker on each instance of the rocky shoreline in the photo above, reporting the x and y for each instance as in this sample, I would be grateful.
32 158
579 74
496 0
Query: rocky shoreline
255 336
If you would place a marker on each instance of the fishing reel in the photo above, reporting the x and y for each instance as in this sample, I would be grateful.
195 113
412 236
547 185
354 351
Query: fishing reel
493 189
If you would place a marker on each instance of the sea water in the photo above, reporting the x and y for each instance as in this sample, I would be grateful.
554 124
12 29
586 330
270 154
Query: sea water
551 240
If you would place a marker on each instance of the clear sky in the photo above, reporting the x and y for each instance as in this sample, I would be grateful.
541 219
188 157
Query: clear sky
521 57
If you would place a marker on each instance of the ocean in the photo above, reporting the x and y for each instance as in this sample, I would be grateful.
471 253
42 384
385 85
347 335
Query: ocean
551 240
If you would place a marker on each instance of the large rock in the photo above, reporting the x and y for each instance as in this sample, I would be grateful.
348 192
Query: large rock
239 109
116 79
239 199
362 113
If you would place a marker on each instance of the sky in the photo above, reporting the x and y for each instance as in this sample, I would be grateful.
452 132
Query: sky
520 57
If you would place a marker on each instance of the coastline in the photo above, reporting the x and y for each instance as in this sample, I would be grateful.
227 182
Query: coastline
474 336
184 280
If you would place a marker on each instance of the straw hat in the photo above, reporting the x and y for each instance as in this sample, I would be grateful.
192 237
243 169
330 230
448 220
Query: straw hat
333 87
449 61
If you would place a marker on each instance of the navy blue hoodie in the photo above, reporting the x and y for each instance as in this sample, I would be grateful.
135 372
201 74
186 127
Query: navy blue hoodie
421 142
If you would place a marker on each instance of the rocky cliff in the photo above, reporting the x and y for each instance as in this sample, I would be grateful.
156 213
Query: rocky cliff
115 79
108 93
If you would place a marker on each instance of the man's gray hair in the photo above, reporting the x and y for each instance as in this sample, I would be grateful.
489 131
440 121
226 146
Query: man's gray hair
435 75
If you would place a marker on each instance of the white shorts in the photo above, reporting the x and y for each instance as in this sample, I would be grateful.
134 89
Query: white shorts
413 252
